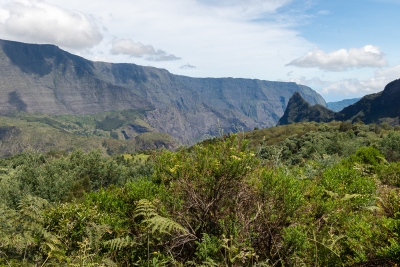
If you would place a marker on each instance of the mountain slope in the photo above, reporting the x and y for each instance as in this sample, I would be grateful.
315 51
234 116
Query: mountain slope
374 108
339 105
43 78
44 133
46 79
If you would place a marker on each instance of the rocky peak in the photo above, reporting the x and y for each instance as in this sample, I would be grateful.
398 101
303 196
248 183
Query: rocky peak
299 110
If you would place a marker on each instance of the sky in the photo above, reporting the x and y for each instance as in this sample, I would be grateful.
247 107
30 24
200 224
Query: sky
340 48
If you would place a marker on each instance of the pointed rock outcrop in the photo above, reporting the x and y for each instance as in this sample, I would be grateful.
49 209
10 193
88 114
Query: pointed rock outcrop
299 110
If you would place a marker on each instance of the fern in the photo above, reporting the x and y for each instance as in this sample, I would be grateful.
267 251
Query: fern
22 230
154 221
145 208
91 246
95 233
118 243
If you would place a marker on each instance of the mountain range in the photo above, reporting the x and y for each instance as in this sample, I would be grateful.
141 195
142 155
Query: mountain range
45 79
373 108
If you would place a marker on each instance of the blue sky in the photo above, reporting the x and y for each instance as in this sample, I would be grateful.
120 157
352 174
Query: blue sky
353 24
340 48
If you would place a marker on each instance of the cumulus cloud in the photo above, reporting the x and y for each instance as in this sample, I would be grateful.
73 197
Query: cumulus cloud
341 60
37 21
347 87
187 66
138 50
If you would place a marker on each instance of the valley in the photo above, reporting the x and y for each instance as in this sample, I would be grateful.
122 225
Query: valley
107 164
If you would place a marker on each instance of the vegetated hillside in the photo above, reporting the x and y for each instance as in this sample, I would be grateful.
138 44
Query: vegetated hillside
327 195
339 105
373 108
111 132
46 79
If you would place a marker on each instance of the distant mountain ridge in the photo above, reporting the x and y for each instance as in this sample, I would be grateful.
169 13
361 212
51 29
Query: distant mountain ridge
339 105
46 79
374 108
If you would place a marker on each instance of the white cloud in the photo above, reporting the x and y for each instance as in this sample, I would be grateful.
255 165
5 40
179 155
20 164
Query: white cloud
381 78
187 66
138 50
221 40
36 21
353 87
341 60
129 47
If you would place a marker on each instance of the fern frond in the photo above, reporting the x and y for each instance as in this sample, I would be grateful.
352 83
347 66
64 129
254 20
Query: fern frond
118 243
154 221
146 209
95 233
350 196
164 225
30 210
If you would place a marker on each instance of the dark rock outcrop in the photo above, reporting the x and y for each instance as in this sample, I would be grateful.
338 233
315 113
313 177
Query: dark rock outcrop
299 110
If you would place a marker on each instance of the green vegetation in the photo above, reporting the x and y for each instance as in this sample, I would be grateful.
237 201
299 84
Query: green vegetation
299 195
111 132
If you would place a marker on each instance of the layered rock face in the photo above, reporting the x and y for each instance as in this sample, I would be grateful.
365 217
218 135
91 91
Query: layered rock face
46 79
43 78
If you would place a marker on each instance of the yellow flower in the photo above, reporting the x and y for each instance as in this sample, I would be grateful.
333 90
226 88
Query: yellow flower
235 157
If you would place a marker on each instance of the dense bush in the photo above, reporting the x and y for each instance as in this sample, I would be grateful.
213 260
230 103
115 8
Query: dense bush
327 197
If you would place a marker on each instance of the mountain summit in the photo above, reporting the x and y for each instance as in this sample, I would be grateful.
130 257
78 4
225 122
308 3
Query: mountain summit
46 79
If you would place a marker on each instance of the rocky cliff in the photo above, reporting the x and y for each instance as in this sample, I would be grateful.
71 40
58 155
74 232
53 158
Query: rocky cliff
299 110
46 79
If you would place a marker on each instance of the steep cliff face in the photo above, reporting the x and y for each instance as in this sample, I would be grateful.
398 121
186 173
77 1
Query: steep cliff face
191 109
374 108
43 78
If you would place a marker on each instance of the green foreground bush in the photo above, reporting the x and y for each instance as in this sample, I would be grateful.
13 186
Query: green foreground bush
214 204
